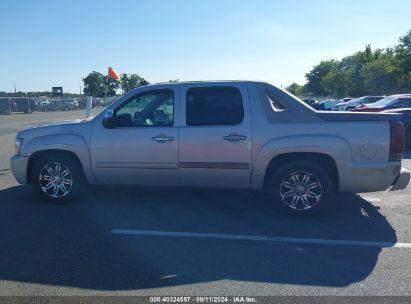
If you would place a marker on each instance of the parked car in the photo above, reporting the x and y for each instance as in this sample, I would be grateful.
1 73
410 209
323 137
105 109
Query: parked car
311 102
355 103
346 99
390 102
59 105
239 134
68 104
49 105
406 121
328 104
43 105
26 105
6 106
99 102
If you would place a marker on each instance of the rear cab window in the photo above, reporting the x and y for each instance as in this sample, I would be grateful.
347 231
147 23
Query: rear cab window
275 102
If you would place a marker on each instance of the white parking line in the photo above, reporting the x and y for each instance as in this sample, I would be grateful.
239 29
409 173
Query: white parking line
277 239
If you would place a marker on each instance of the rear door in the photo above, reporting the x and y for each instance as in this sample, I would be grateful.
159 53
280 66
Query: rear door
215 135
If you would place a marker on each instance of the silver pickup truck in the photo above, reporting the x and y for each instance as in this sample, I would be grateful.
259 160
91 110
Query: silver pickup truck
232 134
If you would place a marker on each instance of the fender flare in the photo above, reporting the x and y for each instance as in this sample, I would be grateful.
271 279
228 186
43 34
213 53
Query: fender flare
64 142
337 148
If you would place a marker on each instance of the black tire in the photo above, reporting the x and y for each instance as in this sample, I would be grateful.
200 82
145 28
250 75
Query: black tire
290 177
66 162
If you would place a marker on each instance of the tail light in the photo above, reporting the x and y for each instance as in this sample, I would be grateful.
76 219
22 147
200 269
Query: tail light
397 140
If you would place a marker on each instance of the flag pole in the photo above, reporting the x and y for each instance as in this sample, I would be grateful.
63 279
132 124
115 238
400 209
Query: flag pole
105 95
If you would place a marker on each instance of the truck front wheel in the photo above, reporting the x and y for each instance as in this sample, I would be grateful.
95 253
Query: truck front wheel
300 187
57 178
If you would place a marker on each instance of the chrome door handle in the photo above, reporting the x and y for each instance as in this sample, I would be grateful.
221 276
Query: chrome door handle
162 138
233 137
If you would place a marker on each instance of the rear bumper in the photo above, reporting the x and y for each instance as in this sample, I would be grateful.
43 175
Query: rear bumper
366 177
402 180
18 166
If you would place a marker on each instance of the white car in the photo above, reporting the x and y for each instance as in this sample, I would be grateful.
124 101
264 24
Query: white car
328 104
355 103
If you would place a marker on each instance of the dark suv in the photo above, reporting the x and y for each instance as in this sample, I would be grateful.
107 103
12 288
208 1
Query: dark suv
26 105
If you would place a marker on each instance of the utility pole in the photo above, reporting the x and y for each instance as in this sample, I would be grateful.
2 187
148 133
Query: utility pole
80 90
15 90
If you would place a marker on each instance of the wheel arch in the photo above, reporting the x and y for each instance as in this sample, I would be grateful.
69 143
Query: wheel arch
72 144
38 154
323 160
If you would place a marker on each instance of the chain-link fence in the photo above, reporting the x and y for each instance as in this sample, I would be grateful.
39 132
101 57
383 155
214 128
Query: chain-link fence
9 105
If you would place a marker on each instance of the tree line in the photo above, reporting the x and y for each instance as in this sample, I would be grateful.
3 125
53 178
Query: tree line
368 72
34 94
95 84
99 85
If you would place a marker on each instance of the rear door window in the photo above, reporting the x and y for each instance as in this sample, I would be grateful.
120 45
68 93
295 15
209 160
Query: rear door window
214 106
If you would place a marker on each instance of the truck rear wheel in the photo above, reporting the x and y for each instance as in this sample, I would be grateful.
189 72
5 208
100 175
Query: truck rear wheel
57 178
300 187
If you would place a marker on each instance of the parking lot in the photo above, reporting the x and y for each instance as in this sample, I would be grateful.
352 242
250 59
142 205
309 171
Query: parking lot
151 241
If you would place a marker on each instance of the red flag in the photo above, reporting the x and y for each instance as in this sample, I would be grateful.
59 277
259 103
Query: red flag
113 74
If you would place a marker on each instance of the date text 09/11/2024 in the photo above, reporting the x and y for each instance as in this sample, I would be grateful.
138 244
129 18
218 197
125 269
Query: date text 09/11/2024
205 299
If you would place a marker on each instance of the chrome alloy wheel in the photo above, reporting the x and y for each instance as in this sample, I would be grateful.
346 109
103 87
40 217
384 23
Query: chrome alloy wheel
300 190
55 180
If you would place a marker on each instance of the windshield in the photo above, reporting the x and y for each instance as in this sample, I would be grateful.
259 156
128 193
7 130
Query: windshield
383 102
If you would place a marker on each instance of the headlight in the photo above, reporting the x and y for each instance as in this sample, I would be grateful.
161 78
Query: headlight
17 145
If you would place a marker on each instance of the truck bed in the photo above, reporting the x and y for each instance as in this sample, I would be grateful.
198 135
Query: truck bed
357 116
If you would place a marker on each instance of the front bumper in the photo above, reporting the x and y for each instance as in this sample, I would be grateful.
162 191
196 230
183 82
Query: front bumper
18 166
402 180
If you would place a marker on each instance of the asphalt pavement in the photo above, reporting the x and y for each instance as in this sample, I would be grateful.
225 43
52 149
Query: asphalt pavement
167 241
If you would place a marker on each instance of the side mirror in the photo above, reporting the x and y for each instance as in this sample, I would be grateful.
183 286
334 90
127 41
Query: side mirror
108 121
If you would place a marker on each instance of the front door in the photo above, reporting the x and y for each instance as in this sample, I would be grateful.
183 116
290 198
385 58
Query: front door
142 147
215 136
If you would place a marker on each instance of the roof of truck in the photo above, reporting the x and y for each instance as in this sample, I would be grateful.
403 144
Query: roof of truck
201 81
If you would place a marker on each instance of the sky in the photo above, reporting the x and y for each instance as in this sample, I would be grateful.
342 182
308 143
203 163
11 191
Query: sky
45 43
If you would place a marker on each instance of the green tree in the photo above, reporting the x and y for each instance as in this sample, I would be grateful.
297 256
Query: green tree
295 89
381 75
334 84
113 85
132 81
315 77
403 54
379 71
95 84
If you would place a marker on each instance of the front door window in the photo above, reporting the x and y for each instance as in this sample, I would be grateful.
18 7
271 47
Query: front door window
153 108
